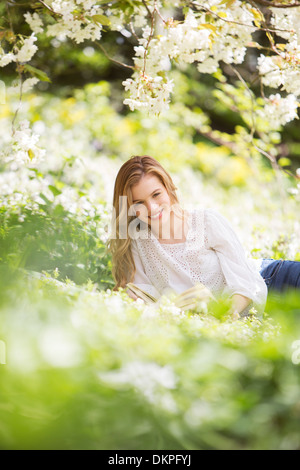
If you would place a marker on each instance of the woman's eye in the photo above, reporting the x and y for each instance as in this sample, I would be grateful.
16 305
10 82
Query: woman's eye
156 194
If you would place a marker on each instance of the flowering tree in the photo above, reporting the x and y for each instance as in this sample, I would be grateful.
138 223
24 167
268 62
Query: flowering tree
213 35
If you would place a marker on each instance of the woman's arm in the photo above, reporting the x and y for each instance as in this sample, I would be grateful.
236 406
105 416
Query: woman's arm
244 283
239 303
140 277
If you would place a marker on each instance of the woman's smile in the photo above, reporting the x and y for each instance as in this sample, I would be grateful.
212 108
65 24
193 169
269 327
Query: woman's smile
156 216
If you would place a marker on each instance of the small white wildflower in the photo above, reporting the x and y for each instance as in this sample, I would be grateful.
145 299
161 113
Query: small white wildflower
148 378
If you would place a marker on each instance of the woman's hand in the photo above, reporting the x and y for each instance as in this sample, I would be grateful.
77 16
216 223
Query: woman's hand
131 294
239 303
235 315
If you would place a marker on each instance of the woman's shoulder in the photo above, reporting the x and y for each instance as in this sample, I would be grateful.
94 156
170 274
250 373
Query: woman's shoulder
203 210
205 213
209 219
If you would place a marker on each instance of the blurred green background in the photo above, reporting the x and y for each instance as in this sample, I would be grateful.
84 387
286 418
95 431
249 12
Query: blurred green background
82 367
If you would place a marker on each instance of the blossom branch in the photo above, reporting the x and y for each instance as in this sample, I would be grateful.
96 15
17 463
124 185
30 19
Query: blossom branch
253 129
213 13
19 70
133 31
159 14
152 16
147 8
49 8
267 3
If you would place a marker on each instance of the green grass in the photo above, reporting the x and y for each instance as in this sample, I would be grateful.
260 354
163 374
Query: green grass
90 369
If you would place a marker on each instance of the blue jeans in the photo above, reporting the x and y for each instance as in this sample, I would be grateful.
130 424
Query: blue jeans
280 275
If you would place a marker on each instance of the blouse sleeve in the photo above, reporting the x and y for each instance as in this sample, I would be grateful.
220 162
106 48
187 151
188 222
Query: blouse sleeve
140 278
241 277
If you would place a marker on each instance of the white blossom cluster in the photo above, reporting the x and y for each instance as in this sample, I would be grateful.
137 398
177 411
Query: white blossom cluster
148 93
77 25
212 32
24 147
282 70
22 53
35 22
278 111
193 40
71 23
286 21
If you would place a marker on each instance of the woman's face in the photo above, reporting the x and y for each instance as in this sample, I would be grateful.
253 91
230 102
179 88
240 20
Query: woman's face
151 200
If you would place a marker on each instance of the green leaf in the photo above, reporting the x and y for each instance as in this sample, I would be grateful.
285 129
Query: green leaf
37 73
102 19
30 154
283 161
54 190
228 3
42 196
58 210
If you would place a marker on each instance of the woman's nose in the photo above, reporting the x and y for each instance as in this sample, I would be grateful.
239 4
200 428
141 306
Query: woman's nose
152 207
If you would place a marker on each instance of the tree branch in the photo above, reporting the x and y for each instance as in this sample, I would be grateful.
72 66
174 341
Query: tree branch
267 3
114 60
252 2
147 8
152 17
49 8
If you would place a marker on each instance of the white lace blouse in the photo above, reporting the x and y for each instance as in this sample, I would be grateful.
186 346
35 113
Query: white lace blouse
212 254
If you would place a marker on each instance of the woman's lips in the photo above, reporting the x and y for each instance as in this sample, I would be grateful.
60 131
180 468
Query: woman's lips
156 216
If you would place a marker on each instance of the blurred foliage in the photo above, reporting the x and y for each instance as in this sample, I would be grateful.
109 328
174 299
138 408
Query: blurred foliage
87 370
226 107
180 136
51 239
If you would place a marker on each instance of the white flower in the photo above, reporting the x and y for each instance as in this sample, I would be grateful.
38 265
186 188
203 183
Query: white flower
27 50
210 65
69 25
140 19
6 59
29 83
148 378
149 93
282 70
34 22
278 110
286 21
23 147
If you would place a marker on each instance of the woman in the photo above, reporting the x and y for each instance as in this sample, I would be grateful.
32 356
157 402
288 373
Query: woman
160 247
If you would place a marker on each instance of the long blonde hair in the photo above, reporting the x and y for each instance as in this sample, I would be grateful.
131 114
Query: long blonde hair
130 173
